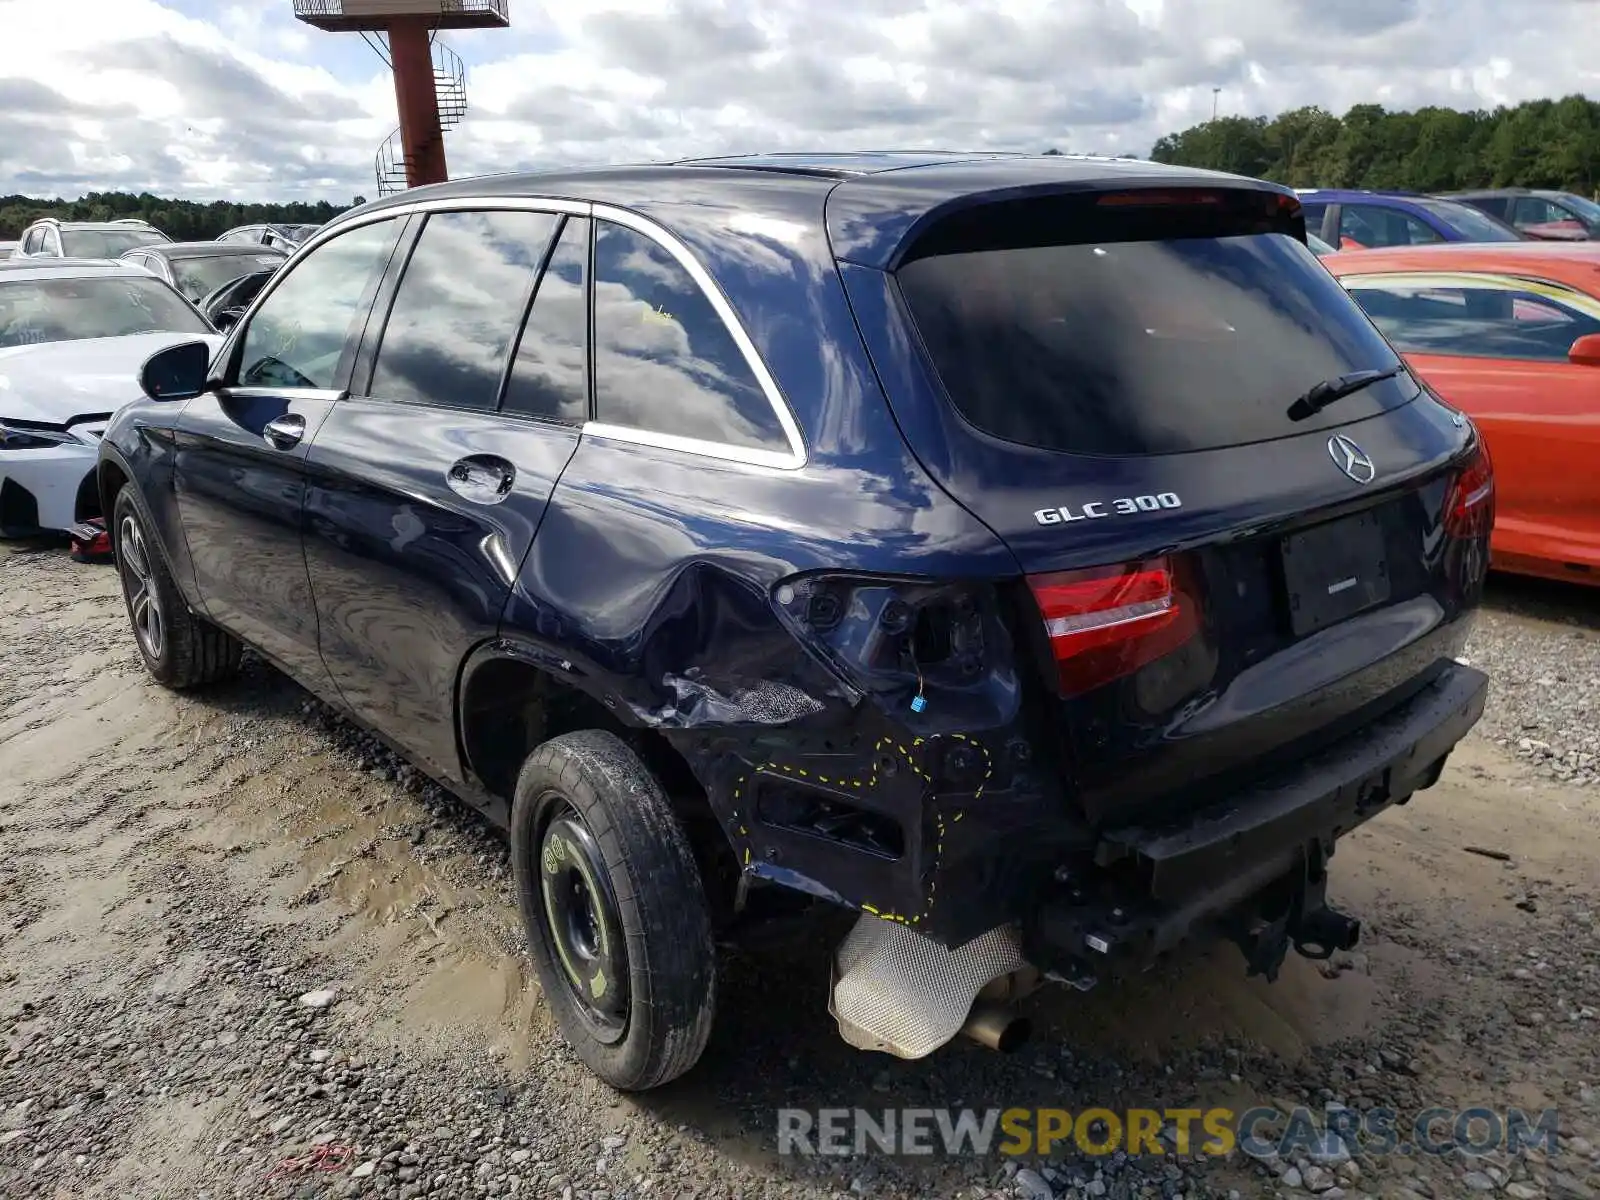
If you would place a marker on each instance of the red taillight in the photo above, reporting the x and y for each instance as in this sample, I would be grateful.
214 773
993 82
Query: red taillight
1469 508
1107 622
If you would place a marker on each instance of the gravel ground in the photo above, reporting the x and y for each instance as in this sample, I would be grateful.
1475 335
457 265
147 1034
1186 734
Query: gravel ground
245 953
1541 645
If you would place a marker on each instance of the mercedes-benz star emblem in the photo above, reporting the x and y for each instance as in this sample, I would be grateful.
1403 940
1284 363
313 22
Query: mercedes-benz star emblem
1351 459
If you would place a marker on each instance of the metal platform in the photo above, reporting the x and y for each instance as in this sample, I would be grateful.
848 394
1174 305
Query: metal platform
351 16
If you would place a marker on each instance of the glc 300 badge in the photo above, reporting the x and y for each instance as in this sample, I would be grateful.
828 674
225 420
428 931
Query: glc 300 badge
1122 506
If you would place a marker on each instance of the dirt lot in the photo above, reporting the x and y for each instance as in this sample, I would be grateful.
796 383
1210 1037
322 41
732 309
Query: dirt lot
178 874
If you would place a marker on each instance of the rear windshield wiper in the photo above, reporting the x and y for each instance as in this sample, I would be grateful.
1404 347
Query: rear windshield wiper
1320 395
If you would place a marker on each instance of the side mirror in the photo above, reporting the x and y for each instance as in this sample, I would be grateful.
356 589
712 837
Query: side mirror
1585 352
227 318
176 373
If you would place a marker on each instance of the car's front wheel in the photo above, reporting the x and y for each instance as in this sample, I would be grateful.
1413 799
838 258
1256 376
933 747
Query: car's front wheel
179 648
615 910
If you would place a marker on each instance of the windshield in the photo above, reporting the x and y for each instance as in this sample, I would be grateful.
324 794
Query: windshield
68 310
1144 347
197 277
1477 225
1585 208
105 243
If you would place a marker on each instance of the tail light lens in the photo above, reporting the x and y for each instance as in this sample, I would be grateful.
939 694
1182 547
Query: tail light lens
1469 505
1107 622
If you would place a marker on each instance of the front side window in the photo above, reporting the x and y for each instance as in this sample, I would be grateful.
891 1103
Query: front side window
664 359
34 311
457 309
1471 223
549 377
1368 227
1536 210
298 335
1496 318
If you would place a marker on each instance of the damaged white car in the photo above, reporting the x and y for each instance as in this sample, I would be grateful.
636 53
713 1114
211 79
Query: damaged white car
73 337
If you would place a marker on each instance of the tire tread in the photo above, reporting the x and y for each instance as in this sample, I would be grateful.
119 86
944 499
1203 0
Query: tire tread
672 958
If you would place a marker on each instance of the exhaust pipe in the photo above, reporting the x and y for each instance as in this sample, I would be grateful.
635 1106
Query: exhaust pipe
996 1026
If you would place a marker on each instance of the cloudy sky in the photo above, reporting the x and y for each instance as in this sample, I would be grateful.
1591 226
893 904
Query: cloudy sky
234 98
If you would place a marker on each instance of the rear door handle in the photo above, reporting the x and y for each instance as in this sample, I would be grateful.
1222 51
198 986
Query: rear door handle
481 478
285 432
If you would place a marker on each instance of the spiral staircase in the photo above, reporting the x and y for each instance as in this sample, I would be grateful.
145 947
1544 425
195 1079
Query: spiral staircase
450 83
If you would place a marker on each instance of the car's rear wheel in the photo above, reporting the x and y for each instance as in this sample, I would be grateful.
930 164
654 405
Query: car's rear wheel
179 648
615 910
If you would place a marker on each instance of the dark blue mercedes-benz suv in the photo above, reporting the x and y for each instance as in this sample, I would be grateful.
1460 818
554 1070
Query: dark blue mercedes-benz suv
1043 558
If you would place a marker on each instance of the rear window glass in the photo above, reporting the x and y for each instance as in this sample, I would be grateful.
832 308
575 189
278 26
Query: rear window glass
1144 347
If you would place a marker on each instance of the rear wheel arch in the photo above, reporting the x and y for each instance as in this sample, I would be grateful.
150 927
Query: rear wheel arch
511 700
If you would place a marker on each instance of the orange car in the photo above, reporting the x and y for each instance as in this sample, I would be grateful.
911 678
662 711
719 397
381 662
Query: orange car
1510 334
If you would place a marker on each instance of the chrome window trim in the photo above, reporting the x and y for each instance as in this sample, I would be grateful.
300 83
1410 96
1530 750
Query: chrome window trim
330 395
796 457
793 459
748 455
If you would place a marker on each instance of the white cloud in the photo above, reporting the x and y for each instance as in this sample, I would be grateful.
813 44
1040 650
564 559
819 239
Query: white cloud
206 99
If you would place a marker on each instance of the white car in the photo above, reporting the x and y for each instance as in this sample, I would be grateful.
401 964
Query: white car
73 337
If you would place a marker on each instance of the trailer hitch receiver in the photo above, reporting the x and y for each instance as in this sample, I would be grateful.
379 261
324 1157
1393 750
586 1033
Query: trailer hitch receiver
1294 911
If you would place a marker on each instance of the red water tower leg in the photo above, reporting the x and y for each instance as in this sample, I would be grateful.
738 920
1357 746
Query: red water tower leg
420 135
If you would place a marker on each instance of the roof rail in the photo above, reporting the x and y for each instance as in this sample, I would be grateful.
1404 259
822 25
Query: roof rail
133 221
48 221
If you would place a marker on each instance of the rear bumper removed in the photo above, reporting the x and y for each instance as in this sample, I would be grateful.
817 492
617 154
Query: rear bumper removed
1252 868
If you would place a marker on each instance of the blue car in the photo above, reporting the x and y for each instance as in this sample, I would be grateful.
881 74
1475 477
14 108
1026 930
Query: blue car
1350 219
1042 559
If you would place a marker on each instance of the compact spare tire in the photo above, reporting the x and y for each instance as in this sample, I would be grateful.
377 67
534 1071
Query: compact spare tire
615 910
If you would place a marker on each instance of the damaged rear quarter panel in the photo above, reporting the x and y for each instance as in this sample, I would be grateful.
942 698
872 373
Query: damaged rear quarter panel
654 575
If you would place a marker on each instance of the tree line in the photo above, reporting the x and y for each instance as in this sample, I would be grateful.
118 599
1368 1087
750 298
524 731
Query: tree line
1538 144
181 220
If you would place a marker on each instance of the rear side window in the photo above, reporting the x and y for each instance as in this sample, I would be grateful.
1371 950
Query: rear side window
549 376
1369 226
1143 347
456 312
299 334
1506 318
664 360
